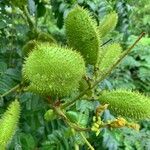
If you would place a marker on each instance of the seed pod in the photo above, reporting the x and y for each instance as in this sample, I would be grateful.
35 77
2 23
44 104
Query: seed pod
108 56
8 123
108 24
53 70
82 34
127 104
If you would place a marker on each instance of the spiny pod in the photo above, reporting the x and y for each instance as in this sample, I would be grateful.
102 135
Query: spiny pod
108 56
108 24
82 34
8 123
127 104
53 70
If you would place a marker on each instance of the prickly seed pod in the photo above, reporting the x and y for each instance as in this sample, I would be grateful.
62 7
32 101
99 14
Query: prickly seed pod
8 123
53 70
82 34
108 56
108 24
127 104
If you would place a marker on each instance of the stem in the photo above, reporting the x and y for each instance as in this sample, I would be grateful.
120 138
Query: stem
86 141
76 146
103 76
11 90
30 21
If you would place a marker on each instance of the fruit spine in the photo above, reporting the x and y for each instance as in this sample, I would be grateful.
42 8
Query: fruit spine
8 123
82 34
127 104
53 70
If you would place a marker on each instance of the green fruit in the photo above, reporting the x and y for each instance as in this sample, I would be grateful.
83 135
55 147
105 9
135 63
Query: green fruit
72 116
108 56
127 104
53 70
8 123
50 115
82 35
108 24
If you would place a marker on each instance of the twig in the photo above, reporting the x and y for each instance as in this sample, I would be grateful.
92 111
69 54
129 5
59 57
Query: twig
11 90
86 141
30 21
103 76
76 146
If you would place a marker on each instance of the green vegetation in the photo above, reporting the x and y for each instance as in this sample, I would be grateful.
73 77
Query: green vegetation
74 75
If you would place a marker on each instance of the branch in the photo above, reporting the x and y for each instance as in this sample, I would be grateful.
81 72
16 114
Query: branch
86 141
11 90
28 16
103 76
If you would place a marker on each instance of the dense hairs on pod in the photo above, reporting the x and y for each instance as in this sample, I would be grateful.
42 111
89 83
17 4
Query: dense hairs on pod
53 70
82 35
127 104
8 123
108 24
108 56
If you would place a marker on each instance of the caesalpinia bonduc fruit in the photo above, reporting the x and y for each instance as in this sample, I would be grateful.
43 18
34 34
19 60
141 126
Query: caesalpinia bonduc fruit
127 104
53 70
108 24
8 123
108 55
82 34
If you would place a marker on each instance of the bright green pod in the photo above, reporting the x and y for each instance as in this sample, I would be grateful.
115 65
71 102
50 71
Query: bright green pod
127 104
53 70
8 123
108 24
108 56
82 35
